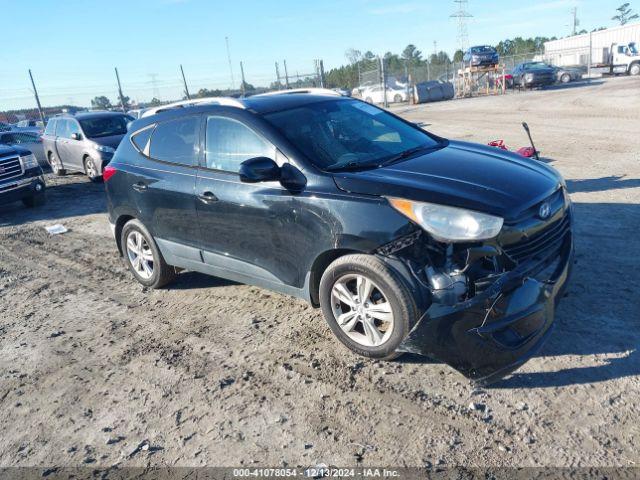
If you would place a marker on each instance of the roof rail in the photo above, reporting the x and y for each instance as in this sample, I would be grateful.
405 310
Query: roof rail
225 101
313 91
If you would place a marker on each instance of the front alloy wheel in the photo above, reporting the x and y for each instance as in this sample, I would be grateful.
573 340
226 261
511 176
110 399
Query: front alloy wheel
361 310
56 166
367 304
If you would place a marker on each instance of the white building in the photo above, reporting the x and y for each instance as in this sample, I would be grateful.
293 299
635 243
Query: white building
575 50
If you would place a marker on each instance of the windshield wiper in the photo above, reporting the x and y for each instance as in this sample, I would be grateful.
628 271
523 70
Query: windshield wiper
407 154
351 165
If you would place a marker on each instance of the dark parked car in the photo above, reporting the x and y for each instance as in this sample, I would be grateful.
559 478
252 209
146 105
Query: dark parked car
84 142
567 74
407 241
533 74
20 177
32 141
481 56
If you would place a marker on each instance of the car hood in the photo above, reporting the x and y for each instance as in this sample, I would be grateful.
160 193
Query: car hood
460 174
112 141
6 150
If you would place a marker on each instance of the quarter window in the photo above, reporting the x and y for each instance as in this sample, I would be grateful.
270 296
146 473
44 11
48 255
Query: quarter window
141 139
230 142
176 141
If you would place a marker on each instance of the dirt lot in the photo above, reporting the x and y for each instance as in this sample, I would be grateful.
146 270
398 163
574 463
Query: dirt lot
95 370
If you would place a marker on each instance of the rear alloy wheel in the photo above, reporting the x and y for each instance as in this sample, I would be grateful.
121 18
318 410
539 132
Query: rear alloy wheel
368 100
143 257
367 305
56 166
397 98
91 170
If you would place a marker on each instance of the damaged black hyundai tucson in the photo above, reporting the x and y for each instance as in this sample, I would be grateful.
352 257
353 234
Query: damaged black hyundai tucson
407 241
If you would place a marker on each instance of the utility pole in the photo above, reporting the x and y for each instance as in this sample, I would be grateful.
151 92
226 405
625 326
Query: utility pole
576 22
384 82
286 74
35 92
120 92
233 82
278 75
321 73
242 85
186 89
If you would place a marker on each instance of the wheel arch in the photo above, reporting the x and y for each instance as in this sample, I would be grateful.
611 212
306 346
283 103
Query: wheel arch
319 266
119 225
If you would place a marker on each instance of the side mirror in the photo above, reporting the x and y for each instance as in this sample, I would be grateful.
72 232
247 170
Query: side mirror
259 169
76 136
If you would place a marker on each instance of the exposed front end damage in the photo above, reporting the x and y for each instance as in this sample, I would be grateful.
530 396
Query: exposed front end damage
489 307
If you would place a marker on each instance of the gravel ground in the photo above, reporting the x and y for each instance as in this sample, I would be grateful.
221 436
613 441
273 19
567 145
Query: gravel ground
96 370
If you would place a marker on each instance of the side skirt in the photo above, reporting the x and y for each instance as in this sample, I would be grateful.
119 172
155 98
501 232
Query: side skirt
221 266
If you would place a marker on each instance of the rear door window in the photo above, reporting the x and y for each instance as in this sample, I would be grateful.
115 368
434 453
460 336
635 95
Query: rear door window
177 141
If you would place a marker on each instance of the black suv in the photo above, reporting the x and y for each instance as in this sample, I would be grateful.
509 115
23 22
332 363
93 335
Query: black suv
84 142
409 242
20 177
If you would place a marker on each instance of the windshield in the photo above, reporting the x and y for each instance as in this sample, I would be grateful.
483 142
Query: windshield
484 49
536 66
105 126
338 134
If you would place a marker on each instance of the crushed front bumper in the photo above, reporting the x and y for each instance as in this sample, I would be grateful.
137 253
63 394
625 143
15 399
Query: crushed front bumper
496 331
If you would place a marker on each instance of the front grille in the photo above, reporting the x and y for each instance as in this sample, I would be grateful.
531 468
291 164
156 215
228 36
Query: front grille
543 244
10 168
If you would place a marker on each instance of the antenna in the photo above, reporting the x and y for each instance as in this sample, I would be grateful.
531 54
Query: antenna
462 14
233 82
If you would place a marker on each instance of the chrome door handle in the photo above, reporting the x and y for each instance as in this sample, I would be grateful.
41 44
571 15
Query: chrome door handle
140 187
207 197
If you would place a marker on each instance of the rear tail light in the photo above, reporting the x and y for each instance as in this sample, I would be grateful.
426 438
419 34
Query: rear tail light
108 172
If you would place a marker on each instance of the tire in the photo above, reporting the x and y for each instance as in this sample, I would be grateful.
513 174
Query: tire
634 69
35 200
91 170
161 273
56 166
386 286
368 100
565 78
397 98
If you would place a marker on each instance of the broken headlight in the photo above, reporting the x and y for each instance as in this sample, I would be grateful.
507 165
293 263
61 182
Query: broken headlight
449 224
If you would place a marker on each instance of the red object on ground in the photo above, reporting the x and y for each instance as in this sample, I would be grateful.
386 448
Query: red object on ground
527 152
499 144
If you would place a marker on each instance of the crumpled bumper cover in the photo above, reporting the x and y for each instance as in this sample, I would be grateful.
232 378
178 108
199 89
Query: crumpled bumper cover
495 332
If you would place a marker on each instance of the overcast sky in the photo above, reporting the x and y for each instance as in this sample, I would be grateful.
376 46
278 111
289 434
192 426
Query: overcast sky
73 46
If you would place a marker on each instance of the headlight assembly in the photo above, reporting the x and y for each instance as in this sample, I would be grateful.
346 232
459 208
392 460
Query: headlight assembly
449 224
29 161
104 149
